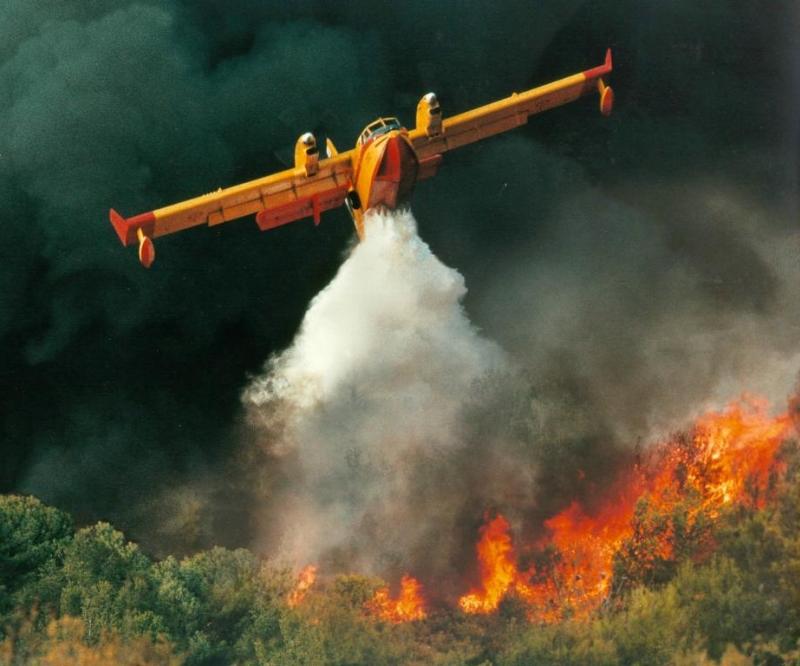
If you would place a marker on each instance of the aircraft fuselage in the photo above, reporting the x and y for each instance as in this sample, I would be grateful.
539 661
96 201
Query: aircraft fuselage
386 169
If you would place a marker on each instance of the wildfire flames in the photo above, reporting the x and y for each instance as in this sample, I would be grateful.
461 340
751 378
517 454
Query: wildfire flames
408 606
498 570
305 580
729 458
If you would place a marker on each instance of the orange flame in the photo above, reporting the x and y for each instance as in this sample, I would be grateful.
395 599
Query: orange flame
305 579
731 458
409 605
498 570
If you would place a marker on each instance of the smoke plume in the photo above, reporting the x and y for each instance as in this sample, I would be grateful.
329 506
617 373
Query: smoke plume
364 411
390 425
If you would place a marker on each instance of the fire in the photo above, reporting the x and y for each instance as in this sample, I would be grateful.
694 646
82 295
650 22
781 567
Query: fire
730 458
409 605
498 569
586 545
734 455
305 579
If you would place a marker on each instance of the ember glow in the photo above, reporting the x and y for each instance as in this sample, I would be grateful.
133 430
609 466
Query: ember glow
409 605
729 458
305 579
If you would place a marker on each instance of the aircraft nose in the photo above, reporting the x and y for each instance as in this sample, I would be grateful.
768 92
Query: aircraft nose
391 162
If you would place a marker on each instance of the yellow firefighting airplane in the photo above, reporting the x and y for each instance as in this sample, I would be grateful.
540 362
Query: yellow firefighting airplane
380 171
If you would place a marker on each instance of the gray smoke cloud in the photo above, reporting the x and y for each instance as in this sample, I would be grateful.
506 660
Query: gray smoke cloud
657 311
391 425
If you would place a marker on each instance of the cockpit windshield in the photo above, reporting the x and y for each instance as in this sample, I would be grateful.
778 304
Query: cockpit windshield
380 126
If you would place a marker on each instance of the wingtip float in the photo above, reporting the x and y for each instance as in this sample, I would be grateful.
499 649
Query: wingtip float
381 170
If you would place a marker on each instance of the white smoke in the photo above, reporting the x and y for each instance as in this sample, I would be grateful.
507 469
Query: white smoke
369 396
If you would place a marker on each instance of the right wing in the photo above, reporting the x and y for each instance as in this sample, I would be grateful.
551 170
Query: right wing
505 114
305 191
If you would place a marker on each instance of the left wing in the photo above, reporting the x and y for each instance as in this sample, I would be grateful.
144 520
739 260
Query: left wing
307 190
433 136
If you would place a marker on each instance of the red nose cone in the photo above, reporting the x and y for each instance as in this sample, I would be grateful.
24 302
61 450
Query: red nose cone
391 164
399 165
396 174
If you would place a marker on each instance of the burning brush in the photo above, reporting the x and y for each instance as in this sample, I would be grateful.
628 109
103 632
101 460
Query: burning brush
731 457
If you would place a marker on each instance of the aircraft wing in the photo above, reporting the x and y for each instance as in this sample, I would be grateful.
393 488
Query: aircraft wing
304 191
509 113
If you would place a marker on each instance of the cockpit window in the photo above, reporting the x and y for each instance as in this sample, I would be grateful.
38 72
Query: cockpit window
380 126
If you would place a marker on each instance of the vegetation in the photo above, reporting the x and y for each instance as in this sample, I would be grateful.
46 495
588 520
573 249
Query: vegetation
88 596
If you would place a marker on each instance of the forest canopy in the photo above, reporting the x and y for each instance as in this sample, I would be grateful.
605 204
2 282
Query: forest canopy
90 596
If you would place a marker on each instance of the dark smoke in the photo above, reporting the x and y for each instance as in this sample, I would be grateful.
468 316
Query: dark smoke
634 269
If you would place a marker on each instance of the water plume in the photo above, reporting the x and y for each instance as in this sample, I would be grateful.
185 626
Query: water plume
367 403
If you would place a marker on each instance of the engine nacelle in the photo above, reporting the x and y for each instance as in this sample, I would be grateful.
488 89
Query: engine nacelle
306 155
429 115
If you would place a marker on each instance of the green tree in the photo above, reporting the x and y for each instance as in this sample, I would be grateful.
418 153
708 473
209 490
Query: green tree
32 541
220 605
567 644
651 629
108 583
725 605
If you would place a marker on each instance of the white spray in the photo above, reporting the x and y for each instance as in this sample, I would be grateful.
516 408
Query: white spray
367 397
